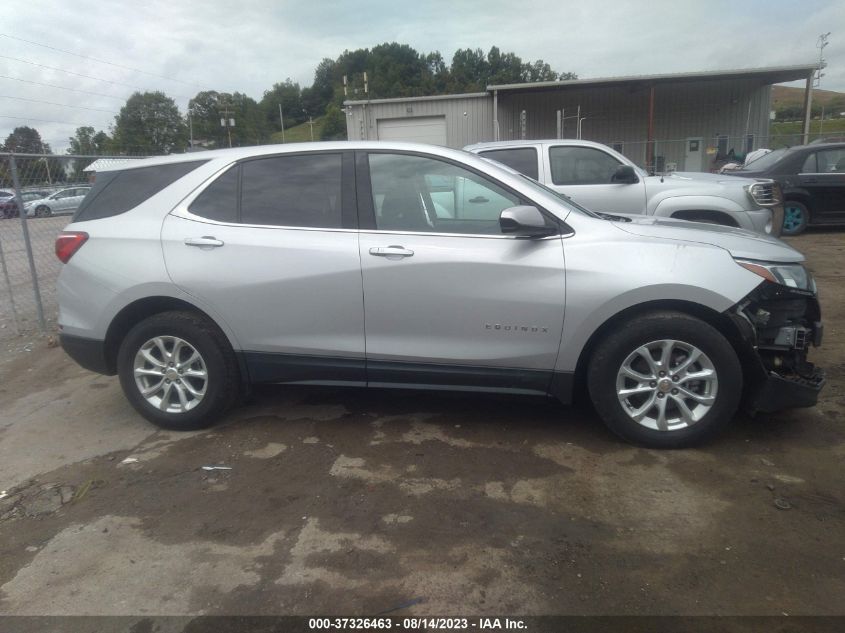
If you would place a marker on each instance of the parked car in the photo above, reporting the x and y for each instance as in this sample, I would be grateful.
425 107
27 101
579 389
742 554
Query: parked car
812 178
601 179
9 206
62 202
193 277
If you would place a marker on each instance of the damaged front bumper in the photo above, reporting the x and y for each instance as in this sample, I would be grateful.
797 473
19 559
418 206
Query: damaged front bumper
778 325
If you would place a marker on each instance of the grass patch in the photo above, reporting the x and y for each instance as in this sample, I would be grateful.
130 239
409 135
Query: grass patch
300 133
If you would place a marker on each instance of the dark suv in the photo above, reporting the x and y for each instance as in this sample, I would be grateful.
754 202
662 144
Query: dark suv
813 181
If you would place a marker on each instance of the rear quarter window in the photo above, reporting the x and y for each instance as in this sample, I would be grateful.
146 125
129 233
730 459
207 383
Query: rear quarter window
116 192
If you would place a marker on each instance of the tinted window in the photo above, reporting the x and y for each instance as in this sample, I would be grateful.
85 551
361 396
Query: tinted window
522 159
115 192
809 166
831 161
301 190
581 166
219 201
413 193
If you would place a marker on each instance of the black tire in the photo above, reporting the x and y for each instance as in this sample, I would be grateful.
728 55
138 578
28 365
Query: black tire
43 212
223 375
796 217
612 351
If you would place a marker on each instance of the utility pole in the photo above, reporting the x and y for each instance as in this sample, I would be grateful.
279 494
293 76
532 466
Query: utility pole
311 124
814 81
227 122
191 128
46 164
282 122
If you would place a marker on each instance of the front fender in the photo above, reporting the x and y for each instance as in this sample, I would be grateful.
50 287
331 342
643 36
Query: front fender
669 206
640 272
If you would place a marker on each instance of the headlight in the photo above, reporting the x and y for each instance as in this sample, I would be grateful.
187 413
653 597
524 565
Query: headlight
764 193
790 275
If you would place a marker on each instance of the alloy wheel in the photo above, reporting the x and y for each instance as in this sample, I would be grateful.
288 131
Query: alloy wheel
667 385
170 374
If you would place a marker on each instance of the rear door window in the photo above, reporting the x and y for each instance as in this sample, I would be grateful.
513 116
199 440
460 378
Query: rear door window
296 190
116 192
522 159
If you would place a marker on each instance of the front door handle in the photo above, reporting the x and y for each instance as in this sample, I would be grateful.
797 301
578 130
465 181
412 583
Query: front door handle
206 241
391 251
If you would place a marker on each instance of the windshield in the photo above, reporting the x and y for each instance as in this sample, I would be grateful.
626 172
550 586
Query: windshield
765 161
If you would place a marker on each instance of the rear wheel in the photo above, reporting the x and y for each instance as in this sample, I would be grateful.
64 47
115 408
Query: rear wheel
178 370
796 217
665 380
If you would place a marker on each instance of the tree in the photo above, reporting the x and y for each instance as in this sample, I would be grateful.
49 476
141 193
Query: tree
289 95
31 171
85 141
25 140
209 107
149 123
334 125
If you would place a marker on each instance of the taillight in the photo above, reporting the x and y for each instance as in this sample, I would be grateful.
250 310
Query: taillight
68 243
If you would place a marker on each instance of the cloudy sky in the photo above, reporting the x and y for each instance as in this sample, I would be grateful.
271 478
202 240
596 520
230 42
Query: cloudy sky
181 47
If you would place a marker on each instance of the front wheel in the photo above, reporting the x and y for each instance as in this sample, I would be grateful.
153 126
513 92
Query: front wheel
665 380
178 370
796 217
43 212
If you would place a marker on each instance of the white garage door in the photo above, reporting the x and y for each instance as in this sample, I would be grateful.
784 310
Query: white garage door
421 129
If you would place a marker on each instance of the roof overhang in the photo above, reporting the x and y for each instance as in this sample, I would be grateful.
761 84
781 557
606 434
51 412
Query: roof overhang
769 75
466 95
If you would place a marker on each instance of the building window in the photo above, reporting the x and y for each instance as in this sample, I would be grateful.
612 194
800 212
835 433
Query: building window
618 147
721 145
749 143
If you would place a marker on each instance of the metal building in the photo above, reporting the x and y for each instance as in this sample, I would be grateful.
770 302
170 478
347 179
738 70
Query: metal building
683 121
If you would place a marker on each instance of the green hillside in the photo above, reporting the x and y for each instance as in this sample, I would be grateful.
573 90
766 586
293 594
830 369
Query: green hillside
300 133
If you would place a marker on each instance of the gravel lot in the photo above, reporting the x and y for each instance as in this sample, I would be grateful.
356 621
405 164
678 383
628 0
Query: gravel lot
355 502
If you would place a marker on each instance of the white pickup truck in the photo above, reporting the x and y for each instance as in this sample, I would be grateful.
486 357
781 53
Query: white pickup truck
603 180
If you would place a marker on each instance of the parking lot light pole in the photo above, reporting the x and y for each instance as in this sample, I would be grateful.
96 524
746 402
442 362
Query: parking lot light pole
19 201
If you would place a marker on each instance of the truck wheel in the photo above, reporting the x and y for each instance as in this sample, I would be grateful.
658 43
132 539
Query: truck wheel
796 217
178 370
665 380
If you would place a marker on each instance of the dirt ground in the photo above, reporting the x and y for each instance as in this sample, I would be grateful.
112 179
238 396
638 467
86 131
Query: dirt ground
358 502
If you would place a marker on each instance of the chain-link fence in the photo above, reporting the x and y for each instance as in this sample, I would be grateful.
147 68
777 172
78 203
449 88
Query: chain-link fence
38 196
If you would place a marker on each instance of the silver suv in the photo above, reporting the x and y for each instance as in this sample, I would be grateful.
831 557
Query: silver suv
402 265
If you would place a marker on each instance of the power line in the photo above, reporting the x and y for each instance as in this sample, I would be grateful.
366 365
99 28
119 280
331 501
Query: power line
24 118
100 61
38 83
75 74
63 105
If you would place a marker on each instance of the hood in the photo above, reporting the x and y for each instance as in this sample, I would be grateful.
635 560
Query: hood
690 181
738 242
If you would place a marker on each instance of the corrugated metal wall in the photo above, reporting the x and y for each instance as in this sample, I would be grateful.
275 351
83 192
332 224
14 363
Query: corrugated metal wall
469 118
620 115
702 109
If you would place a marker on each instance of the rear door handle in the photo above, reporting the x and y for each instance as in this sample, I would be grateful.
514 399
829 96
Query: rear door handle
391 251
204 241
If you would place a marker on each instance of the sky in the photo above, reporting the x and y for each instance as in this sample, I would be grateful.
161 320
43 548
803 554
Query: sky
183 46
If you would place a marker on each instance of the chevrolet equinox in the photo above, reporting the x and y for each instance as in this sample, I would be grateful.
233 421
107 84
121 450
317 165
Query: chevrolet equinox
402 265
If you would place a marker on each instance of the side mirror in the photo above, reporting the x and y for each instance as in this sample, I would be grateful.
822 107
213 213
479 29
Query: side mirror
624 174
524 221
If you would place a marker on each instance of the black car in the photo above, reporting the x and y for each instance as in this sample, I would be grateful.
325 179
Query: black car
812 178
